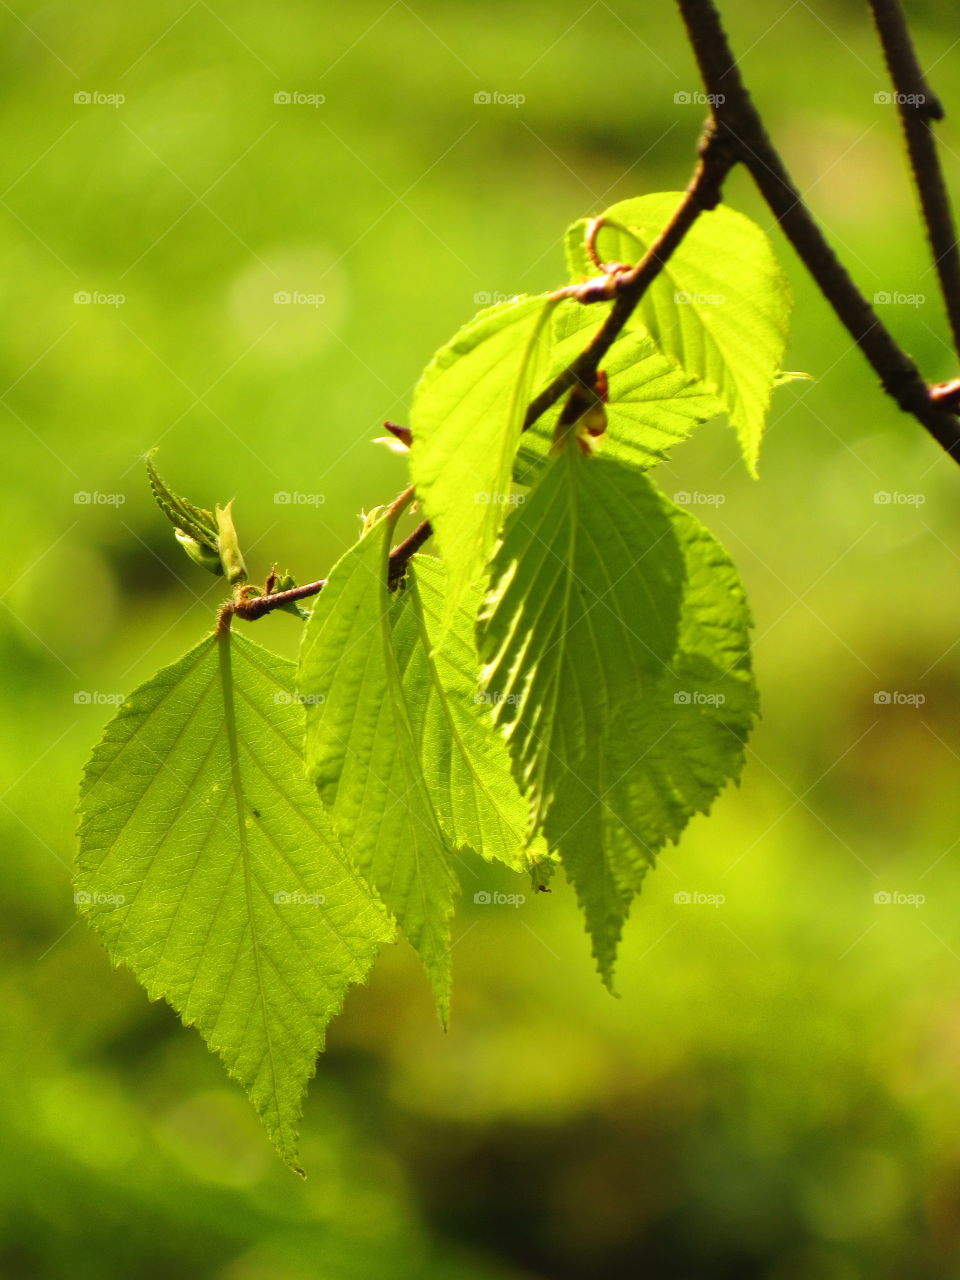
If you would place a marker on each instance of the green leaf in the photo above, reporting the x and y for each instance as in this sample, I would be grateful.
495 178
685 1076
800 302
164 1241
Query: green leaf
199 553
195 523
363 751
464 760
209 539
653 403
208 866
584 609
720 306
666 740
231 557
468 410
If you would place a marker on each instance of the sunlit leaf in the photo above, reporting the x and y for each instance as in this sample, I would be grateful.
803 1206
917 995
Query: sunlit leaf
720 305
653 403
208 866
465 761
468 411
616 646
363 750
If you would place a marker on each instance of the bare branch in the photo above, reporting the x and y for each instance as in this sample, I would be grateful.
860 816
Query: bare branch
737 117
918 106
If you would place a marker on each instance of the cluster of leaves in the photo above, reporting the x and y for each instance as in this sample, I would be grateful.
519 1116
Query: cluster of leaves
567 681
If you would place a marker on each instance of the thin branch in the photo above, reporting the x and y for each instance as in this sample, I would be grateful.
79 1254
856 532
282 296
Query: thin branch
736 116
918 106
250 608
628 287
401 555
254 607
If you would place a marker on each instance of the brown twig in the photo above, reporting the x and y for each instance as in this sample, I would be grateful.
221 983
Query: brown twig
402 554
254 607
250 607
735 113
918 106
628 287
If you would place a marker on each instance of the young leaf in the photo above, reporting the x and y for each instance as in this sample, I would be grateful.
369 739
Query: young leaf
231 557
720 305
663 748
208 867
364 755
653 404
193 522
467 415
209 539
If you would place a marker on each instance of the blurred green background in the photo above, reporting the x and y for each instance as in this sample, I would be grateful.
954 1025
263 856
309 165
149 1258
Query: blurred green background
776 1093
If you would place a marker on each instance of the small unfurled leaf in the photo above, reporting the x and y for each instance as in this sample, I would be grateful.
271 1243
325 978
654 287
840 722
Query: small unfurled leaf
199 553
193 522
208 538
208 866
231 556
